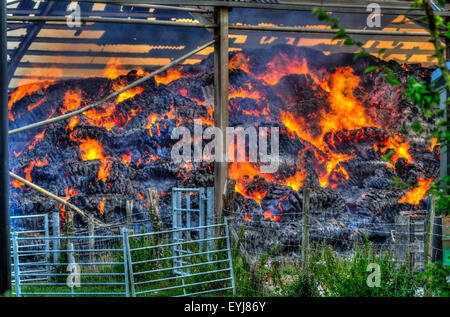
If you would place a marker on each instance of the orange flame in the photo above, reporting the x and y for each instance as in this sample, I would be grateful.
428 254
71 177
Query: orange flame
36 139
37 162
171 75
282 66
101 205
91 149
112 70
268 215
296 181
126 158
414 196
434 142
239 61
23 91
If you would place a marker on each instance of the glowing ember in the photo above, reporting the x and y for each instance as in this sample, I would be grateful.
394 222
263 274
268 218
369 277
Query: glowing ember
130 93
112 70
282 66
126 158
244 172
268 215
36 139
91 149
72 100
296 181
239 61
23 91
171 75
434 142
101 205
37 162
35 105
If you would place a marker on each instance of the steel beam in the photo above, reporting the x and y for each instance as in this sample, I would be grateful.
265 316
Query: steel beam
221 104
387 9
109 20
5 251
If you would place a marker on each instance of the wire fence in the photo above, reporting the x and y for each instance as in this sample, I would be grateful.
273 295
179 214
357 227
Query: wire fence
271 256
81 268
178 262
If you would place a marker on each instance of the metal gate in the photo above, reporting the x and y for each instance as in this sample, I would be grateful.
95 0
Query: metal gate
158 267
79 270
191 208
36 250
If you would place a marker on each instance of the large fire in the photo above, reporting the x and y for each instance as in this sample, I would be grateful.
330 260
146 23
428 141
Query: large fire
344 112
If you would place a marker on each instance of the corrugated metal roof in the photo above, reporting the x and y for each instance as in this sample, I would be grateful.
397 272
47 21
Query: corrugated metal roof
62 52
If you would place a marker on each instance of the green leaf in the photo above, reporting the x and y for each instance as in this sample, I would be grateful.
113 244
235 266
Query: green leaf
393 81
340 34
349 41
416 126
370 69
360 54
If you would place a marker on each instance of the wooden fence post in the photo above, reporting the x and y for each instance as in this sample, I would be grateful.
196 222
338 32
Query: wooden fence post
69 223
428 247
56 234
153 208
129 212
228 197
156 221
91 228
305 227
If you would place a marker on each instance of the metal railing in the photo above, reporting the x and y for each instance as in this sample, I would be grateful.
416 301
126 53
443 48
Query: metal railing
157 270
79 270
38 249
128 264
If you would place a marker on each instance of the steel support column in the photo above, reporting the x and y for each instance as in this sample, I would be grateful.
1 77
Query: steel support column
221 103
5 251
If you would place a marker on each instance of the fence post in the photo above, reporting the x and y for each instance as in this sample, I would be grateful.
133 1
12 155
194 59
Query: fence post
202 216
129 212
227 233
305 227
69 223
125 261
91 229
56 230
210 215
130 263
47 245
410 244
153 207
16 263
155 218
229 196
70 260
428 247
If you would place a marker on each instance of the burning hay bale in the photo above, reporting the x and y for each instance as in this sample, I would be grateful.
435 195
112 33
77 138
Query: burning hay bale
336 125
